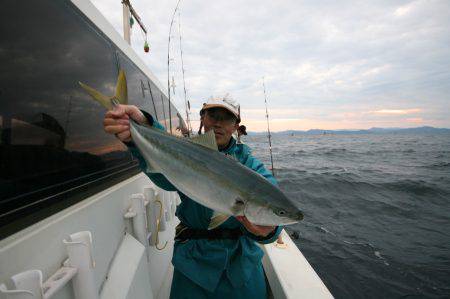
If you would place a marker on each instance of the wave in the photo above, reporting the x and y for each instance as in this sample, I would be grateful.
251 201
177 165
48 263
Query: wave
342 177
335 152
441 164
374 204
299 153
417 187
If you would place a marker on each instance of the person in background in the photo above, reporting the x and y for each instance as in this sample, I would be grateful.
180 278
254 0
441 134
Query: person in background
182 127
241 131
224 262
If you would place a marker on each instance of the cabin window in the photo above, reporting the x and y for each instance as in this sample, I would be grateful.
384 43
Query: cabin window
52 139
152 98
157 99
139 93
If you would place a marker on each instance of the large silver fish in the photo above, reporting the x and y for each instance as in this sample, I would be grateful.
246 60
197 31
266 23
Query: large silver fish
199 170
196 168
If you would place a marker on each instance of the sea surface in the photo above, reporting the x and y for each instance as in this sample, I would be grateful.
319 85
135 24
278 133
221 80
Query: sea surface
377 209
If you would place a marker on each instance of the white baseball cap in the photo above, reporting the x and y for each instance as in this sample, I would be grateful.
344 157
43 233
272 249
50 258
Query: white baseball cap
223 102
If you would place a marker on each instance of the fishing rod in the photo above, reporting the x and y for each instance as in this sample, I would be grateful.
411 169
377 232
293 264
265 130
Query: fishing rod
268 128
279 243
189 127
168 63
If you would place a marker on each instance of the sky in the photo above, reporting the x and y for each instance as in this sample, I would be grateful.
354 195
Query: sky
326 64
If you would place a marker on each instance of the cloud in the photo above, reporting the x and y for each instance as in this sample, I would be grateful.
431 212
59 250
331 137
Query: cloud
329 63
417 120
396 111
404 9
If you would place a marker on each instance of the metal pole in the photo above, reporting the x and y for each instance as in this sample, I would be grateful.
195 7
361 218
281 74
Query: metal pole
135 15
126 22
268 129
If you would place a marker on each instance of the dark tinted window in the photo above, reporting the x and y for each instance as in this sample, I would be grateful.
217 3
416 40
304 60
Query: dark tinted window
52 139
146 95
150 91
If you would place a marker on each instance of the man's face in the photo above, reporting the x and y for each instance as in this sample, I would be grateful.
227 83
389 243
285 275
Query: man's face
223 122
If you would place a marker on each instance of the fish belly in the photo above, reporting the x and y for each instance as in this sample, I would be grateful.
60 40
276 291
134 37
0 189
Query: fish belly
188 175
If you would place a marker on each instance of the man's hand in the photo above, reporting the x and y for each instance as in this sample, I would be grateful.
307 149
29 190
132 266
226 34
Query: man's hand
183 130
258 230
117 121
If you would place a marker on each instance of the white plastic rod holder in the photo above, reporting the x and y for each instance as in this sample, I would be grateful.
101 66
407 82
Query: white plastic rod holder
150 194
27 285
162 218
79 249
15 294
57 281
139 220
168 205
173 204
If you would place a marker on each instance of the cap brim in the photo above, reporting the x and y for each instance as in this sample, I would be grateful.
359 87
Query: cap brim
208 106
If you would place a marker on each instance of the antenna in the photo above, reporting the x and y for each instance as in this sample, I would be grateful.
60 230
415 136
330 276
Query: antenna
268 129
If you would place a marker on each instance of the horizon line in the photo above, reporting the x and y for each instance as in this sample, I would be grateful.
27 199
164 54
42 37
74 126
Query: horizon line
325 130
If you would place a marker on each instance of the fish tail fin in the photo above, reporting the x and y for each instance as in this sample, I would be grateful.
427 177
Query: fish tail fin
121 89
105 101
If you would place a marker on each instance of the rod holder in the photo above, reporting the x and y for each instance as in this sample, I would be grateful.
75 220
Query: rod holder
15 294
155 215
58 280
140 218
150 194
162 217
79 249
27 285
168 206
173 204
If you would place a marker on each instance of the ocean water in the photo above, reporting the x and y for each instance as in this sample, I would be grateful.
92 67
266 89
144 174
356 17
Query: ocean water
377 209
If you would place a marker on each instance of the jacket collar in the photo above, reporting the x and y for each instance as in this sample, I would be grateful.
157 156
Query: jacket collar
229 147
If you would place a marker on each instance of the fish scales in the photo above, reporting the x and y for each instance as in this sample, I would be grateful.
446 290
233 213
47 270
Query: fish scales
213 180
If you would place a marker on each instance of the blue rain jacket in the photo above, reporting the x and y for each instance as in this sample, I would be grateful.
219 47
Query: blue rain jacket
215 264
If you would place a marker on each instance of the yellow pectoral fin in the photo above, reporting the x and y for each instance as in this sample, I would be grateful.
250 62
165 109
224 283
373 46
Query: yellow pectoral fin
217 219
105 101
121 88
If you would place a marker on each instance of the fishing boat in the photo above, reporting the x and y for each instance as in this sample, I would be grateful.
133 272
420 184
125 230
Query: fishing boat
78 219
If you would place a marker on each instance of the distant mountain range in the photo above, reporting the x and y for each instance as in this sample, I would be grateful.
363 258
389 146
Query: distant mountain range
419 130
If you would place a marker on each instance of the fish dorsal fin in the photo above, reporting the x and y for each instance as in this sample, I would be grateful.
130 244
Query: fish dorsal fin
207 140
121 88
104 100
217 219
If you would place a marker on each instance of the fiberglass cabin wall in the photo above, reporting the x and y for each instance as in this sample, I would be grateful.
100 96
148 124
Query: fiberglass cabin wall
53 150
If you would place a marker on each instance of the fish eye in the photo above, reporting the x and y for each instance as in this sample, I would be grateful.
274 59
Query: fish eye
281 212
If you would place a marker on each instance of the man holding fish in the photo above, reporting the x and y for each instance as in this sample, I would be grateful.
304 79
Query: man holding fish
229 201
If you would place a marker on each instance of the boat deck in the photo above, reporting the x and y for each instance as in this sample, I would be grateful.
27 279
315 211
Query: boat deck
123 265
